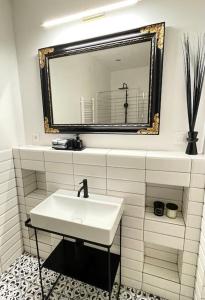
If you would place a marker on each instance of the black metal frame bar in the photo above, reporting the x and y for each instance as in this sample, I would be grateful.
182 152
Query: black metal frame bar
28 224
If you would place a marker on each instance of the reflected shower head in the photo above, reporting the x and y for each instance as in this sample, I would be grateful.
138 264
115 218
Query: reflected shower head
124 86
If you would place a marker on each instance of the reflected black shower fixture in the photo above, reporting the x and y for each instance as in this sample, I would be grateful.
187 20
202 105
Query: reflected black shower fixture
125 87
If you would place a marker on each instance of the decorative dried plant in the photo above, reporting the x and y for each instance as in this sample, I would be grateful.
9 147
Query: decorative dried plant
194 62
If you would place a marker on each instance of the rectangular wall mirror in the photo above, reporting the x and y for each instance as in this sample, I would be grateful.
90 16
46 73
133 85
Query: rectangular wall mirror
106 84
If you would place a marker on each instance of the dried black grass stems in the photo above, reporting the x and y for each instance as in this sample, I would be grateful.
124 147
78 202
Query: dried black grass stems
194 62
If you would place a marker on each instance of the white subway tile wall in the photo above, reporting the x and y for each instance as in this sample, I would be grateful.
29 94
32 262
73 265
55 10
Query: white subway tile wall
159 255
10 230
200 271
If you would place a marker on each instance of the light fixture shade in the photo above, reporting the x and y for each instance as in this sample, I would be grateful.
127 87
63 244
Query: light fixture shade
89 13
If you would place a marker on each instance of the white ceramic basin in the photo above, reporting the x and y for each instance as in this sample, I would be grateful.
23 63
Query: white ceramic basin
93 219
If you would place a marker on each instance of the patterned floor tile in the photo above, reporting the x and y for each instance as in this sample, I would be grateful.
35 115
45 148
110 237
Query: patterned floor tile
21 282
12 287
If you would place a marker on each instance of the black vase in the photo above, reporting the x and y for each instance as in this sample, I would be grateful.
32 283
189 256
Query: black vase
192 140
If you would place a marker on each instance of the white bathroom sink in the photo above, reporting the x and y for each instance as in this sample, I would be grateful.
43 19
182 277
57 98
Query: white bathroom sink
93 219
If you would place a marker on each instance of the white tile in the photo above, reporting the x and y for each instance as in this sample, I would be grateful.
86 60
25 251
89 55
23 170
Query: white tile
59 167
159 291
9 223
6 165
132 233
29 188
164 240
17 163
5 155
161 283
53 187
126 158
132 244
29 154
59 178
39 194
164 228
173 164
170 257
132 264
188 280
164 219
7 175
187 268
16 153
132 199
32 202
196 195
94 191
23 182
132 274
198 165
59 156
41 185
185 298
132 222
42 246
164 192
187 291
8 185
197 181
193 221
192 234
91 156
133 283
33 165
134 211
171 178
12 258
132 254
93 182
93 171
195 208
126 186
126 174
162 264
10 238
161 272
8 205
10 252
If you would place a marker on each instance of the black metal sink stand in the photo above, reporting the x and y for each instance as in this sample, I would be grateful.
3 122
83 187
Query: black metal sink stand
99 269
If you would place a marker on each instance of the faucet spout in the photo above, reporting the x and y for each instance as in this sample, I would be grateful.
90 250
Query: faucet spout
79 191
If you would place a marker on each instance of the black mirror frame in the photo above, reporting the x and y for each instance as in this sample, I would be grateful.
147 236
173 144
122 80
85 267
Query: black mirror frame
154 33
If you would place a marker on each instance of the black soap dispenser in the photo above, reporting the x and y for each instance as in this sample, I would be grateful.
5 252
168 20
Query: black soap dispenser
78 143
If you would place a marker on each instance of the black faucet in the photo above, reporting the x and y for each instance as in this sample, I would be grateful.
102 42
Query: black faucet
84 187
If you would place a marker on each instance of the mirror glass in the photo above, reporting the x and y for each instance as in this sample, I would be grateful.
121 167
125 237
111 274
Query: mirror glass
109 86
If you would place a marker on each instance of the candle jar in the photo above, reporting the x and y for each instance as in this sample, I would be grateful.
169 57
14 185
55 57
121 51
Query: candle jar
158 208
171 210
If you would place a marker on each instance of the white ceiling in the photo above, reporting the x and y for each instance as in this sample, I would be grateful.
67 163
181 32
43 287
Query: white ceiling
130 56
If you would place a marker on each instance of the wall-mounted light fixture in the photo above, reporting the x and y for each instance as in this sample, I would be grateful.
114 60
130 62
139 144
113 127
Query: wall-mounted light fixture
90 14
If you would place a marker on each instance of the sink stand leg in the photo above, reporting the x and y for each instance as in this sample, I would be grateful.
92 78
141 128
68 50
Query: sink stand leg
39 264
109 275
120 258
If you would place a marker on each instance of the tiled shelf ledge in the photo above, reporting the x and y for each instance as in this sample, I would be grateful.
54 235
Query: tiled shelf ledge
163 230
34 198
162 269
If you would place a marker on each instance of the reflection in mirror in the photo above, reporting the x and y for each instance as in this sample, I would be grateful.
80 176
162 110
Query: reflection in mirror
109 86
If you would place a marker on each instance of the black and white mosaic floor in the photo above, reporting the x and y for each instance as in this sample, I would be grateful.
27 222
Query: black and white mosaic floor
21 282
